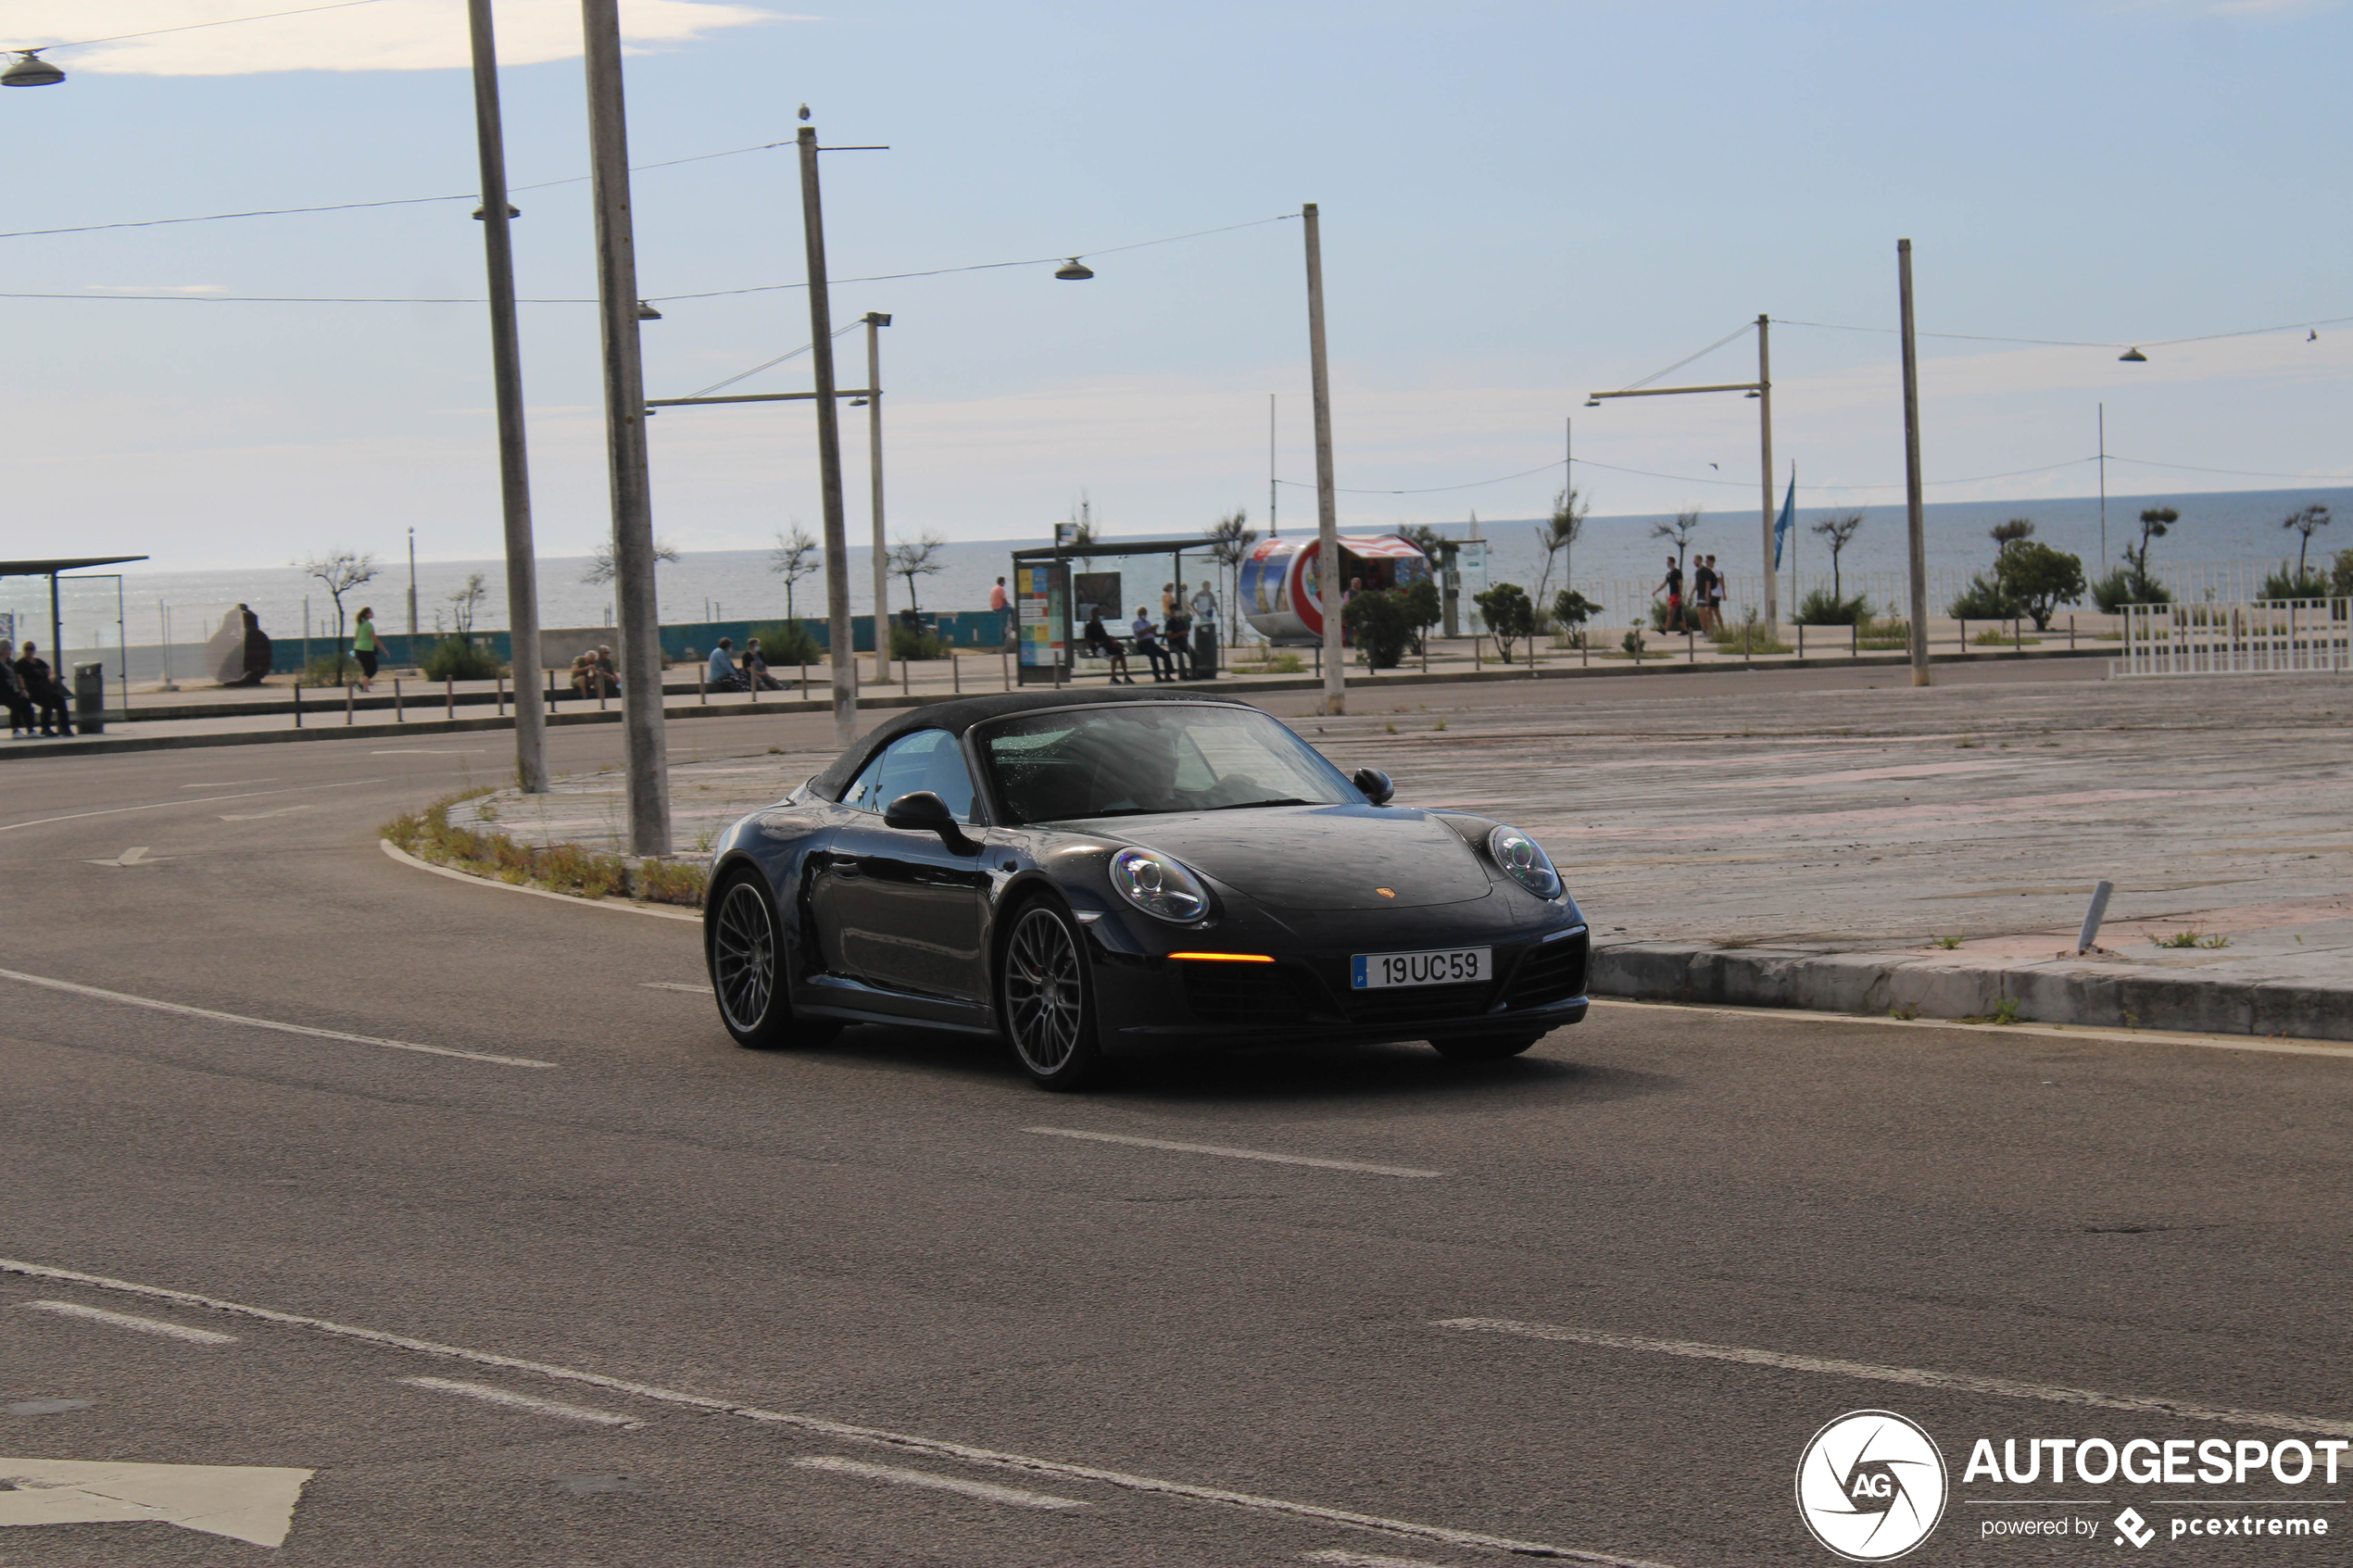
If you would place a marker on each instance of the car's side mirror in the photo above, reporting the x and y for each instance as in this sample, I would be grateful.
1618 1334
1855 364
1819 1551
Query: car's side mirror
1374 784
924 813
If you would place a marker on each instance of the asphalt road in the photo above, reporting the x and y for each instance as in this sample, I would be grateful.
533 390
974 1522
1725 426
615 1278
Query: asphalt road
854 1305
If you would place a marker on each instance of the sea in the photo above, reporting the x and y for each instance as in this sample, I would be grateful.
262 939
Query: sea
2227 537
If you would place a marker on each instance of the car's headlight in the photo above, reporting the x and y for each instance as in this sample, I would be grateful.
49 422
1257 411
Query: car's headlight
1526 861
1159 886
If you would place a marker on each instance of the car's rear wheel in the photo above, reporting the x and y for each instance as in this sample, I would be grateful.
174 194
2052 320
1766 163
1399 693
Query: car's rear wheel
747 971
1046 999
1486 1047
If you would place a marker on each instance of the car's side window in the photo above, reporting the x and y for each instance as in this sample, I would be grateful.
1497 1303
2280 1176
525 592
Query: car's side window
928 759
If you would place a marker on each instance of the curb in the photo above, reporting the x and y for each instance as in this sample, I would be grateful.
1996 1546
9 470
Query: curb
619 906
2092 994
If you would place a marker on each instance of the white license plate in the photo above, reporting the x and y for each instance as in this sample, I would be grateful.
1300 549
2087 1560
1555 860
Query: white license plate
1439 966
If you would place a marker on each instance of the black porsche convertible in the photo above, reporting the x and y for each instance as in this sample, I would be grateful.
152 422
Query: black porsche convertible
1092 876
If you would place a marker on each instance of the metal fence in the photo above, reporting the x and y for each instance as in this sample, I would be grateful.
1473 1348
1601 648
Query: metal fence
2260 637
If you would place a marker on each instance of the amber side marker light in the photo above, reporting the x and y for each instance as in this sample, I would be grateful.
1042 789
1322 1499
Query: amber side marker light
1226 958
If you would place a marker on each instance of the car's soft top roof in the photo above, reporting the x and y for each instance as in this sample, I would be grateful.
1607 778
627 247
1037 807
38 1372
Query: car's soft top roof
963 713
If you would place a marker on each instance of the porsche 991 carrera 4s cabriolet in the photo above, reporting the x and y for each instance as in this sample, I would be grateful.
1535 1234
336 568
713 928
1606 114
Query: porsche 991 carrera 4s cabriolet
1096 875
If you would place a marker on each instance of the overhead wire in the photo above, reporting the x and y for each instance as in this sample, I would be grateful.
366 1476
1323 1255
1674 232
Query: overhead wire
771 364
192 27
2072 342
1687 359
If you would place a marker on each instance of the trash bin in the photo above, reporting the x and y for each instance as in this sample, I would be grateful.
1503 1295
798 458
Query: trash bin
90 699
1204 651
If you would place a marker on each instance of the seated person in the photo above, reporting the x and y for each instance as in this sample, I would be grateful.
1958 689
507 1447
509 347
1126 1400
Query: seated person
1180 629
607 672
583 674
1148 644
1096 643
43 691
13 695
755 668
720 675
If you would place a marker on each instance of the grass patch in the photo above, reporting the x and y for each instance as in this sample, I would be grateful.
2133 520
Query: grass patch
2211 941
1948 943
1273 664
566 868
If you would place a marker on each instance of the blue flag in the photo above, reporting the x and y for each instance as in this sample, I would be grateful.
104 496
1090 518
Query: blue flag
1788 518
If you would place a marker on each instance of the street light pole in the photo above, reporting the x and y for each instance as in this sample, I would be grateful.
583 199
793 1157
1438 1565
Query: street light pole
821 331
875 318
1915 518
636 608
1765 443
1327 499
514 473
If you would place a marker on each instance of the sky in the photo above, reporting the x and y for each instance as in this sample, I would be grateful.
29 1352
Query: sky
1520 203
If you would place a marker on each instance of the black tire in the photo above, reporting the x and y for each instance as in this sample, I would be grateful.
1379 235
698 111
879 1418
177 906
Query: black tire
746 955
1046 999
1485 1048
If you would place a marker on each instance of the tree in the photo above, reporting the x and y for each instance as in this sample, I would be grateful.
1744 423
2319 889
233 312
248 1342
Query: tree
1677 532
795 556
2154 522
917 558
1082 520
1230 543
600 563
1557 535
341 571
2038 579
1510 615
1571 610
2016 531
1380 621
1839 531
465 602
2306 522
1428 540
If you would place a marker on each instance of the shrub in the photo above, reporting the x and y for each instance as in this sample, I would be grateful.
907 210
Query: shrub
1632 642
787 642
1571 610
906 642
2288 584
1825 608
1380 622
328 671
2126 586
1891 633
1983 599
1510 615
460 658
2341 575
2037 579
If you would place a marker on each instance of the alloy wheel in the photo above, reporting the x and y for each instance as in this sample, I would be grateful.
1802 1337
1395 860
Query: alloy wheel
743 957
1044 1005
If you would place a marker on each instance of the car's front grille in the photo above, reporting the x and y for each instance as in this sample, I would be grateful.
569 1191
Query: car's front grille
1243 993
1553 971
1416 1004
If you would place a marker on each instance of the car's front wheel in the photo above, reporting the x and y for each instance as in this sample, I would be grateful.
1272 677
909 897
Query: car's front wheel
747 970
1486 1047
1046 999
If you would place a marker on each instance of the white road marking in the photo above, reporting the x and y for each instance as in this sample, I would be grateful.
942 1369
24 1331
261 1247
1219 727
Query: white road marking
843 1431
432 751
252 1503
488 1394
619 906
124 1320
160 804
2060 1030
227 783
134 856
186 1012
1366 1560
1236 1153
259 816
938 1483
1959 1382
675 985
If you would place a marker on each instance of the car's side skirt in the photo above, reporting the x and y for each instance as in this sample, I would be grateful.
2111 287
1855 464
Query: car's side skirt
854 1001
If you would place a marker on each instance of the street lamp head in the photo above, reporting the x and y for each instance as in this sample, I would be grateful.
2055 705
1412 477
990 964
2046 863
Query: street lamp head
857 402
645 312
512 211
2132 356
1073 270
1752 392
30 71
879 318
1592 401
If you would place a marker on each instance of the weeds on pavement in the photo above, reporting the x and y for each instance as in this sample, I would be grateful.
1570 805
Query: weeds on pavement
564 867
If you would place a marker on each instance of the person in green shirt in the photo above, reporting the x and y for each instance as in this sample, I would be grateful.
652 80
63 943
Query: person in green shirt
364 647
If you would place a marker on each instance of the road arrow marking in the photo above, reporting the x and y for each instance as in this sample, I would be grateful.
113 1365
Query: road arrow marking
252 1503
258 816
136 856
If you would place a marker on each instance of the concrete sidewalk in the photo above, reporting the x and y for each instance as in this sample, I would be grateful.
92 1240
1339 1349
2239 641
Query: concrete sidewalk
1820 848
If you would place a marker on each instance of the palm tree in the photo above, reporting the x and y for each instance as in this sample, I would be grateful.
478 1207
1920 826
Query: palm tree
1229 543
1558 535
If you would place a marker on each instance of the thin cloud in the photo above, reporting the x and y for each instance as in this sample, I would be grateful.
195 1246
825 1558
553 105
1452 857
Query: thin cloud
391 35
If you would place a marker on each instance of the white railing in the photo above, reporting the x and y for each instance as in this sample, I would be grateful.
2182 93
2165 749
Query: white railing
2258 637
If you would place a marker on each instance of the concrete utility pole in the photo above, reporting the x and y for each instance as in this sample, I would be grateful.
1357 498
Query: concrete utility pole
1272 531
1326 501
821 333
875 318
635 606
413 533
1916 518
1765 442
514 474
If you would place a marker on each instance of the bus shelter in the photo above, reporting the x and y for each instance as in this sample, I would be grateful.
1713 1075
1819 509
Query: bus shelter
1057 588
1282 596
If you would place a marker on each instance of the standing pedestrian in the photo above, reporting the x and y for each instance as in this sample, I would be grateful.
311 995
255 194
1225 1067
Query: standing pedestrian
1703 589
13 695
1179 627
1672 587
364 647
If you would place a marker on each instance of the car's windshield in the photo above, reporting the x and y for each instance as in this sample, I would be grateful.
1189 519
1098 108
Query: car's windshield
1146 757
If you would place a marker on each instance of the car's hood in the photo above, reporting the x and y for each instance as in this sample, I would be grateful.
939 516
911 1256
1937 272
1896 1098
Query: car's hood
1324 857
